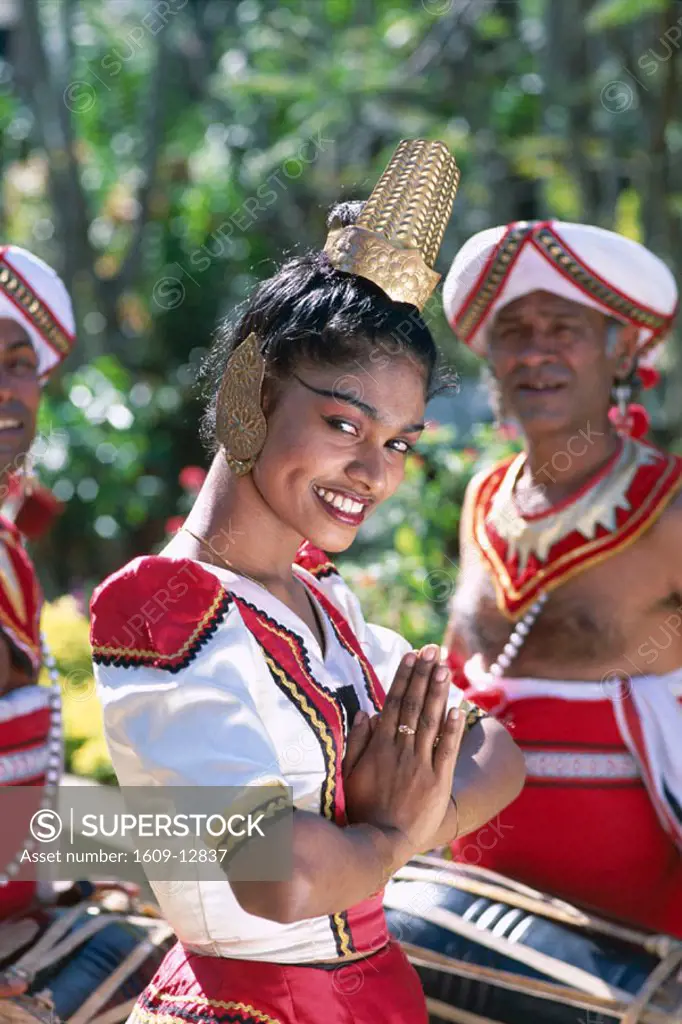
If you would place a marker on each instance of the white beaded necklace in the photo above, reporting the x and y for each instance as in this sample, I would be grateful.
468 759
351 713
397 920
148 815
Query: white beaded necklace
54 760
517 638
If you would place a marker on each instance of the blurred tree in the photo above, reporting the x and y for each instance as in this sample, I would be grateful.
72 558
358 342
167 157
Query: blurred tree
165 155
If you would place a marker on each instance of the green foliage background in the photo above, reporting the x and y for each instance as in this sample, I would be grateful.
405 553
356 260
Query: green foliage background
165 157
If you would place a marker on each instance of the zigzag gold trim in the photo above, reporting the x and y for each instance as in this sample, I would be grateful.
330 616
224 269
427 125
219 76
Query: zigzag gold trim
332 613
554 248
504 587
268 810
323 567
19 292
321 727
362 662
344 938
141 653
142 1015
493 281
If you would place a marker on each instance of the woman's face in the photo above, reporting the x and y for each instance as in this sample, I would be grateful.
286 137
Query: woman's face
337 444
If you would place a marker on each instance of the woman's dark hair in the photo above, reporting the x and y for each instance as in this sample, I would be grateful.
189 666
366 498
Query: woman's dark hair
309 311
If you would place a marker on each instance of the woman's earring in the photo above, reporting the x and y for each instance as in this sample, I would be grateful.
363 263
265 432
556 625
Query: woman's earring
627 417
241 425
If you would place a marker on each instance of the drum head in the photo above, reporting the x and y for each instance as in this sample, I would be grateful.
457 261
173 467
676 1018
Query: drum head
98 962
489 950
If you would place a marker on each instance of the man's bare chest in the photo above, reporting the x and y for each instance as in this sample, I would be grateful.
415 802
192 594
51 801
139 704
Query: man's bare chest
590 620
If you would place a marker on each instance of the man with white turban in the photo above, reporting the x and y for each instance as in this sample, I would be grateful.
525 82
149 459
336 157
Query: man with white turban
568 615
37 332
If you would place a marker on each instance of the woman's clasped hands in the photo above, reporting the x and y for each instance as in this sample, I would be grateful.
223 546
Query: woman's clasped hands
399 765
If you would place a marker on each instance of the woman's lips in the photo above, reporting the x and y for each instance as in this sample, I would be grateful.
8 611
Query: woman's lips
342 515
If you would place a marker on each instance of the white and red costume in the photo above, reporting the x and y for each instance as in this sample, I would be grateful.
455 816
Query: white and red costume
599 821
206 678
33 295
25 714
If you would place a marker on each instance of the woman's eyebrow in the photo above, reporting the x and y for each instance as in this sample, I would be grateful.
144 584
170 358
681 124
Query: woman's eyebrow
342 396
351 399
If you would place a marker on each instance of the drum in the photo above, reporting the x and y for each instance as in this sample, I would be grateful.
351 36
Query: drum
87 964
490 950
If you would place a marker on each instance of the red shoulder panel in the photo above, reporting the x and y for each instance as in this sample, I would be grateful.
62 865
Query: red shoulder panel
20 595
315 561
156 612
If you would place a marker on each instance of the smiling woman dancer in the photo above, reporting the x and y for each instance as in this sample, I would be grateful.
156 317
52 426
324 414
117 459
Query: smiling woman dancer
254 656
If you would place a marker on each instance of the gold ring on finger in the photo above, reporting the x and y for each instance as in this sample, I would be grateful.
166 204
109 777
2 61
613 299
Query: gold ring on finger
407 730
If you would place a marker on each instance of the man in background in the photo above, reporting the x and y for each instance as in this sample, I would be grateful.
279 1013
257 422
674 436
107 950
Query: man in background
566 621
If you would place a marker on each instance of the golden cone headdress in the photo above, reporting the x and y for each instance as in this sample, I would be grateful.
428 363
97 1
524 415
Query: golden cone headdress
395 240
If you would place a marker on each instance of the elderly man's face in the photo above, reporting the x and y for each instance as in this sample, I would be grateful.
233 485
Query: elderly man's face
552 364
19 394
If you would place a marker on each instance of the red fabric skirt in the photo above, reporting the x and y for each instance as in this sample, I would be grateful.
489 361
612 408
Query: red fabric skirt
382 989
594 841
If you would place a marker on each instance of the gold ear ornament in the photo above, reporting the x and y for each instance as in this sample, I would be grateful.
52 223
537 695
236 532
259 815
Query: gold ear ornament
241 424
